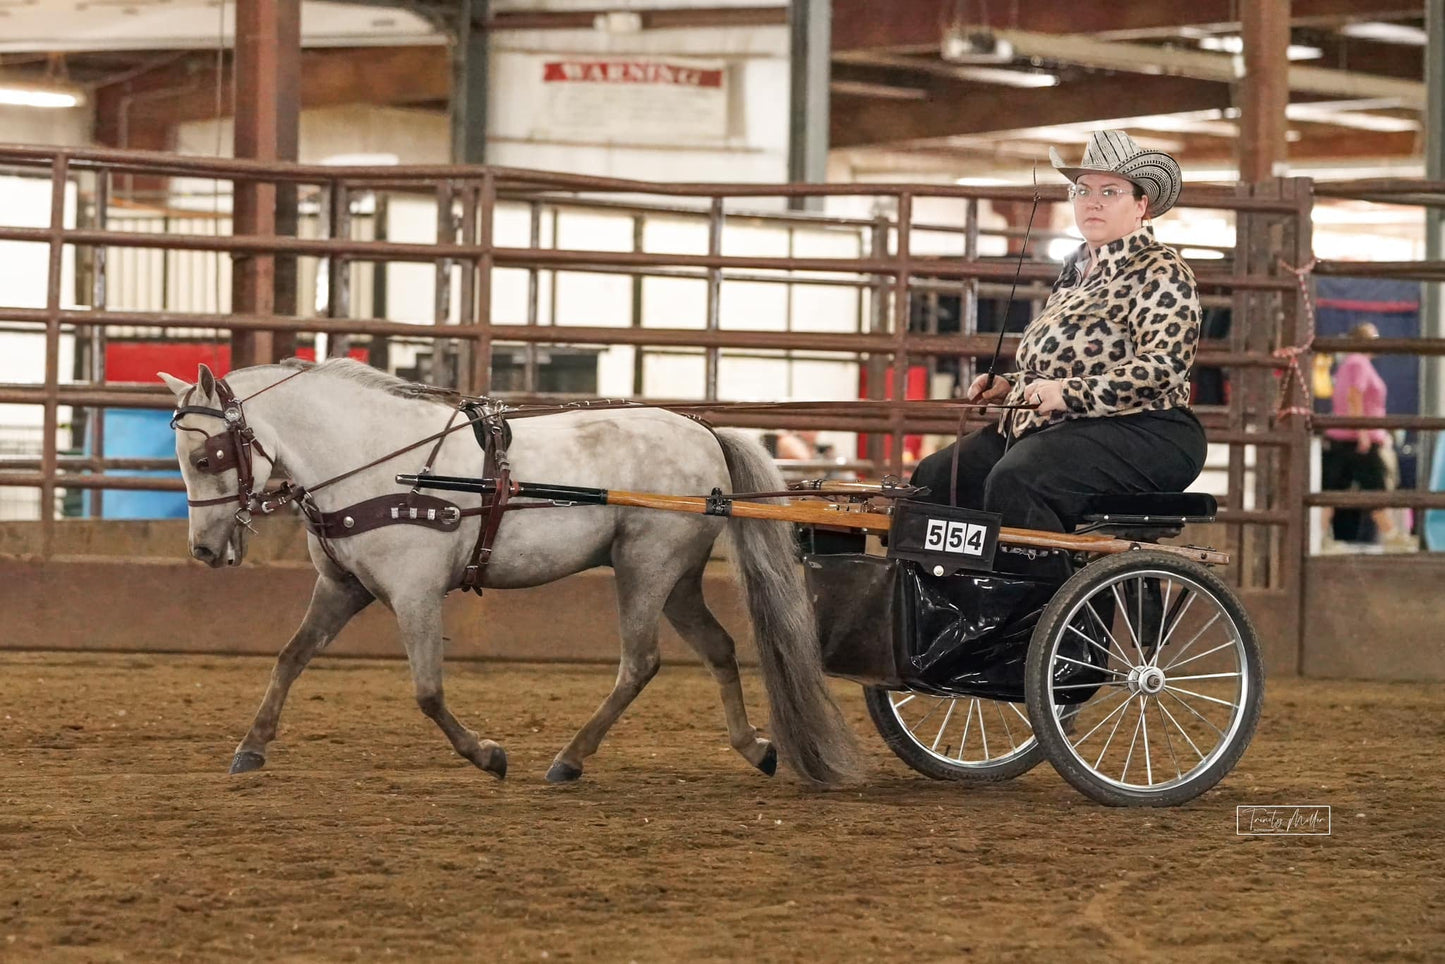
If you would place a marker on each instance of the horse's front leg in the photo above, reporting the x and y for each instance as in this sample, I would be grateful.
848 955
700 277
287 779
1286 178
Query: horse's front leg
421 633
333 602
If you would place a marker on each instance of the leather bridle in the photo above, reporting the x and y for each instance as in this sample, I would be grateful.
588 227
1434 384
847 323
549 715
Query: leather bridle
231 448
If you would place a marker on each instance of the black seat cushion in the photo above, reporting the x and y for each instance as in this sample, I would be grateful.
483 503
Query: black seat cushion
1156 505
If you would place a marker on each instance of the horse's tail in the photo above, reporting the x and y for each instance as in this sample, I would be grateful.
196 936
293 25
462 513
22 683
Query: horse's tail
807 725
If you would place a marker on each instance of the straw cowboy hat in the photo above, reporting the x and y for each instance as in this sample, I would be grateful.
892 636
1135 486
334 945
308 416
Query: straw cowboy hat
1114 152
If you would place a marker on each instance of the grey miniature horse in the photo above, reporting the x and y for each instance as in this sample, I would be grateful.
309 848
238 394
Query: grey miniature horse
340 415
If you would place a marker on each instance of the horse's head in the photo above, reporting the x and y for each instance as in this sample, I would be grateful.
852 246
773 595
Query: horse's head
218 465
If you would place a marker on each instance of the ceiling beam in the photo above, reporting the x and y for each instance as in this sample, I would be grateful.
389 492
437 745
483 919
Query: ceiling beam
1364 56
187 91
872 24
1205 65
857 123
1315 143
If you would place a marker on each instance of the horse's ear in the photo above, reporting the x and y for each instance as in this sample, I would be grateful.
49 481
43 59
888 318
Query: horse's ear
205 381
176 385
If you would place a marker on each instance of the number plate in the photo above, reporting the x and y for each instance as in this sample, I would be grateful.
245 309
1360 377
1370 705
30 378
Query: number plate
940 535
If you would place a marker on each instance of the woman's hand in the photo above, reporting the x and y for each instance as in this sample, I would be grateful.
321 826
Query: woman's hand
981 390
1047 396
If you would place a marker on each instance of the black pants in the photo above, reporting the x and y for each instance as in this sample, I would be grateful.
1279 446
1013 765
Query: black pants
1344 466
1045 479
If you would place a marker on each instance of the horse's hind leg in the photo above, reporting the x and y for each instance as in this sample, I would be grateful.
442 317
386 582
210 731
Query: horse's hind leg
687 610
641 591
421 633
333 603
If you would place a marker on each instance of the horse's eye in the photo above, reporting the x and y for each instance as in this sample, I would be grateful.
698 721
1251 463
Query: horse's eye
202 463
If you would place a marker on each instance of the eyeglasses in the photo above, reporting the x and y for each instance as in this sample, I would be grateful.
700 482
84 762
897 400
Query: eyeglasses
1078 192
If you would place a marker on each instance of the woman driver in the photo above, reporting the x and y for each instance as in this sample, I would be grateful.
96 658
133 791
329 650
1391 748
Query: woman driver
1106 363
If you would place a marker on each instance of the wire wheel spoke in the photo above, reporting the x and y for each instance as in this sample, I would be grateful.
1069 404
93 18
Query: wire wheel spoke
1182 731
1123 657
946 717
1207 652
1108 654
1203 719
1003 718
1090 666
1080 741
1168 740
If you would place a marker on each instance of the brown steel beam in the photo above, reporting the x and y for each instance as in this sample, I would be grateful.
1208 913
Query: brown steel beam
875 24
1264 92
858 123
268 44
288 148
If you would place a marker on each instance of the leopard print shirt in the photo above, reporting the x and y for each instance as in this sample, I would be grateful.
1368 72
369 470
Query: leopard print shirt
1120 341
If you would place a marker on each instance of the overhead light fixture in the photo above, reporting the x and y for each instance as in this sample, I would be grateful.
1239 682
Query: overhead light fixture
974 45
24 93
1386 33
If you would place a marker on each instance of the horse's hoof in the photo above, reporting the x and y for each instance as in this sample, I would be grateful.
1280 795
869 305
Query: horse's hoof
561 772
492 758
246 761
769 763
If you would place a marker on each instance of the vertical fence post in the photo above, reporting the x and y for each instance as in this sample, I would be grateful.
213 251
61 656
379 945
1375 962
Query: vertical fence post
534 291
714 294
968 297
441 309
49 454
877 365
338 269
482 350
1299 248
639 242
467 310
99 293
901 284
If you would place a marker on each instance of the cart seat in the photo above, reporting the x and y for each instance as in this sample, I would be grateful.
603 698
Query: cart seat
1148 516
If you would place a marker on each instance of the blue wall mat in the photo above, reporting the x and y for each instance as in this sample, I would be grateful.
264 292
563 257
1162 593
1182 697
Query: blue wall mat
140 434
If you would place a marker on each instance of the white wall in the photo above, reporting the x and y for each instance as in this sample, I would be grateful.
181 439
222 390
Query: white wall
25 202
56 128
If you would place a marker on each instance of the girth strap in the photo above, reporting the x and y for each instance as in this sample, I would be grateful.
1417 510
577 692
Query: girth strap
405 508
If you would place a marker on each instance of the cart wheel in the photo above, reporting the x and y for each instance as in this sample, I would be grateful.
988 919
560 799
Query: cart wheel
1162 664
968 739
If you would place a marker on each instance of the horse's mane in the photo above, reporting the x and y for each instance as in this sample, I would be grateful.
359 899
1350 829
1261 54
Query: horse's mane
362 374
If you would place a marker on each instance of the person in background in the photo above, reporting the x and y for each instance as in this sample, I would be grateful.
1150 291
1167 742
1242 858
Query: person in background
1356 457
799 446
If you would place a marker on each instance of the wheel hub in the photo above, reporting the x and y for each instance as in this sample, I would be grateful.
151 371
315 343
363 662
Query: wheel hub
1148 680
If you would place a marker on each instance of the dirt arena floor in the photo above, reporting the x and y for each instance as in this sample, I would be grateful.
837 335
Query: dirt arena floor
123 838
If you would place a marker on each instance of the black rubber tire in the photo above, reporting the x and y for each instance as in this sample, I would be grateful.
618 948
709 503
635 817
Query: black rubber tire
1053 739
911 752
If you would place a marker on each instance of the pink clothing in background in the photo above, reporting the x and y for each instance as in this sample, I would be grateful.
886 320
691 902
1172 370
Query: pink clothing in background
1356 373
